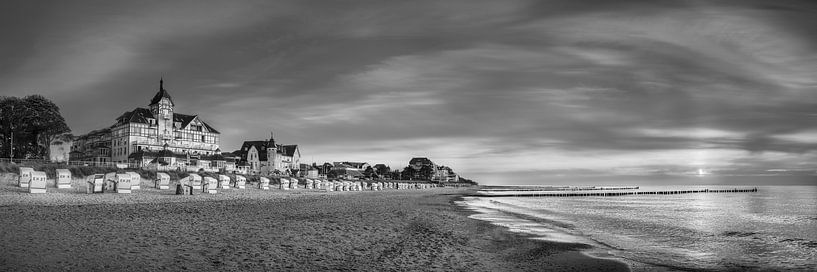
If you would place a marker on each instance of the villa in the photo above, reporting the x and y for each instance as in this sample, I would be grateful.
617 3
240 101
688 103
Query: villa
154 135
266 157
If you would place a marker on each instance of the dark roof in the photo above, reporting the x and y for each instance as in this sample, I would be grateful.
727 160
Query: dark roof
420 160
161 94
261 146
354 164
165 153
185 120
289 150
141 115
94 133
211 129
138 115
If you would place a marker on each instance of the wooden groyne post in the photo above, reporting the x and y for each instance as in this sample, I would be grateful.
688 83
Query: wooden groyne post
597 193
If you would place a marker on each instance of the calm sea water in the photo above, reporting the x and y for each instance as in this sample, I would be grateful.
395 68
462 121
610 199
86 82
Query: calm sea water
772 229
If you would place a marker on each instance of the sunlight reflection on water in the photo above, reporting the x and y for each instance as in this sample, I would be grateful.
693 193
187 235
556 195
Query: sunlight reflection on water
773 228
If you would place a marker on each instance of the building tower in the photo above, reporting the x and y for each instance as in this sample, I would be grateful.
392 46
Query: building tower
162 108
272 154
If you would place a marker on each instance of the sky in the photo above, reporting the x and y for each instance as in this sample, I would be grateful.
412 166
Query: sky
504 92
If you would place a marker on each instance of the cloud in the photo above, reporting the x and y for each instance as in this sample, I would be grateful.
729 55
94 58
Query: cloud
631 87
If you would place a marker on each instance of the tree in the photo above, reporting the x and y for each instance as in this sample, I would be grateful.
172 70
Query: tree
29 125
11 120
46 123
408 173
368 172
382 170
332 174
426 172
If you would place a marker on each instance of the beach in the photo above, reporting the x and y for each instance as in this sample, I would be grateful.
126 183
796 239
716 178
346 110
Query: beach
254 230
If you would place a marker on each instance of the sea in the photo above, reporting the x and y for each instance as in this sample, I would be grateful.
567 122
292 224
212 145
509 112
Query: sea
774 228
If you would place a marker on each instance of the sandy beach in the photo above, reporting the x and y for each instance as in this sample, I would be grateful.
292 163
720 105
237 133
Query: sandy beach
255 230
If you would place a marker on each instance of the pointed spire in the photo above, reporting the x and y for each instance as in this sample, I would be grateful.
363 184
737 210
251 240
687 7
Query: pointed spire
162 93
271 142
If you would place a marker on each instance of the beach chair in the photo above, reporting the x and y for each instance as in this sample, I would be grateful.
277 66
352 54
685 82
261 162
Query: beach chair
110 182
63 179
195 181
95 183
263 184
210 185
184 187
162 181
135 180
240 182
293 183
123 183
284 183
25 177
37 183
224 181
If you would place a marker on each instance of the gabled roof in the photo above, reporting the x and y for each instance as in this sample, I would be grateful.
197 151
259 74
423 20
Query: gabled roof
289 150
165 153
210 128
185 120
261 146
158 97
358 165
137 115
420 160
141 115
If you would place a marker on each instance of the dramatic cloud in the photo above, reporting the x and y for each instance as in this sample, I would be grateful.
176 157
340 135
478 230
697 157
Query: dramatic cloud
503 91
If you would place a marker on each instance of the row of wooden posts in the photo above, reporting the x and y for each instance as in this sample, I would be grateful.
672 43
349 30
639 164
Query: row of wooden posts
588 193
124 183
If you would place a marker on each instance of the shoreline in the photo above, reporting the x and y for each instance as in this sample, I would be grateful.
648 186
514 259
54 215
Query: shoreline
550 232
252 229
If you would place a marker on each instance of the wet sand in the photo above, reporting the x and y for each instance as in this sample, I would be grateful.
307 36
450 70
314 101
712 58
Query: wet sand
255 230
